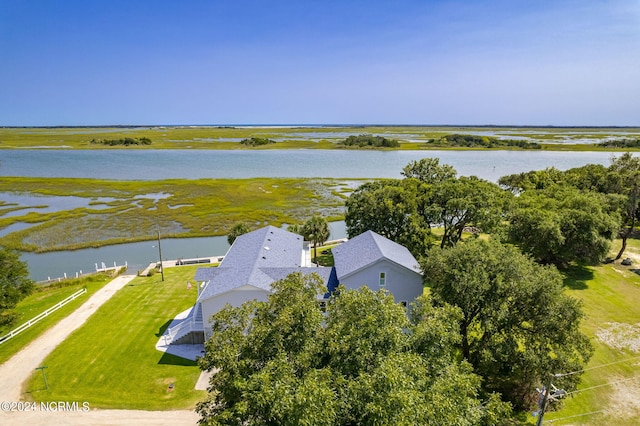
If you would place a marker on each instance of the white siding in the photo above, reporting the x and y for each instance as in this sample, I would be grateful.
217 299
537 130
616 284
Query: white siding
235 298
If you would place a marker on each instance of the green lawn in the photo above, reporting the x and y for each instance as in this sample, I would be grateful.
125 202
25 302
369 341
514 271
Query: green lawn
611 294
111 361
42 300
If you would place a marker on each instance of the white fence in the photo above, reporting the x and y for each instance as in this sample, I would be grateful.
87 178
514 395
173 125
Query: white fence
34 320
80 274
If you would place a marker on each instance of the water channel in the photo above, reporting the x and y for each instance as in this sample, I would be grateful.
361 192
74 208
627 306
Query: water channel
196 164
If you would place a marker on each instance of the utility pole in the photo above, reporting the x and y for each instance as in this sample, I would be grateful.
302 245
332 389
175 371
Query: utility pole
557 393
160 254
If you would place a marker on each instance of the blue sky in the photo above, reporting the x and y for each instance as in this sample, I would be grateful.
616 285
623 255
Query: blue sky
537 62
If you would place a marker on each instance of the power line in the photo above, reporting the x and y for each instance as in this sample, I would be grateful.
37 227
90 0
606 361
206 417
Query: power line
560 393
604 384
575 415
597 366
590 388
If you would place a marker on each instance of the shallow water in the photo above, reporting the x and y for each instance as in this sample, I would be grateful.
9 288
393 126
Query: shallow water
43 266
196 164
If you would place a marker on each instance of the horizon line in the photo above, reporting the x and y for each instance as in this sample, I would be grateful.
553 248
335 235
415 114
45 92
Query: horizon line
309 125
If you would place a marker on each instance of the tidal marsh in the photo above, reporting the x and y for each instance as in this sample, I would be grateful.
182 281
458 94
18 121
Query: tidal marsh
127 211
297 137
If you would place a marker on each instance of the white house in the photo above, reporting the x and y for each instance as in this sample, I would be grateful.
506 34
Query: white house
259 258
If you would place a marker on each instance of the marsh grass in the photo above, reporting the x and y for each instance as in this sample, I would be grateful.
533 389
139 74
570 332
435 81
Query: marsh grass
42 299
111 360
188 208
209 137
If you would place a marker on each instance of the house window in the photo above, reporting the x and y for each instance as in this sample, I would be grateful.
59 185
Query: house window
383 279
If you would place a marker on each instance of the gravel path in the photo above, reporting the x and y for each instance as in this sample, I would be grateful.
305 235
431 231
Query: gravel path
19 368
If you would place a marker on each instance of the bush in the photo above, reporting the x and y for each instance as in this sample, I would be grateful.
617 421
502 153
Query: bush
256 141
122 141
473 141
7 318
362 141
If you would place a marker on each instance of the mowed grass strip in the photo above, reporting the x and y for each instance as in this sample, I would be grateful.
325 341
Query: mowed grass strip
43 299
610 294
111 361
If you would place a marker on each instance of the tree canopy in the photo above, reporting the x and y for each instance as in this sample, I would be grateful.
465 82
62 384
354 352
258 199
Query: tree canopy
14 283
429 170
362 141
474 141
254 141
429 195
316 230
237 230
466 202
562 224
619 182
122 141
517 325
389 208
364 362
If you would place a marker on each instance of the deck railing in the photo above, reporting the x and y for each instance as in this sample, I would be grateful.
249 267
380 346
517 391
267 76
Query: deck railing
182 329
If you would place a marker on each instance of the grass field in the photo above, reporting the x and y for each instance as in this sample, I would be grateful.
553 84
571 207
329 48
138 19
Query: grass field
111 361
212 137
40 301
610 387
126 211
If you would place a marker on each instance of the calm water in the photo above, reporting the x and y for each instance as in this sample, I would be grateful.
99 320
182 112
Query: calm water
43 266
196 164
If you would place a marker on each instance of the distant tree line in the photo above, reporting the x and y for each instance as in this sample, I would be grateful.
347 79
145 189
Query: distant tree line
257 141
621 143
473 141
364 141
122 141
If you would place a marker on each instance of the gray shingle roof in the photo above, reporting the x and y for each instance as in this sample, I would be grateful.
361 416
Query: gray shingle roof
368 248
257 258
269 254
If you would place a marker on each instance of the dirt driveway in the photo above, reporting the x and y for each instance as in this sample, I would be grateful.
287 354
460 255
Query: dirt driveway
19 368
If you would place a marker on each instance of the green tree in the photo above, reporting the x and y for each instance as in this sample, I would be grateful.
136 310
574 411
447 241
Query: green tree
517 325
284 362
429 195
389 208
620 181
624 179
562 224
535 179
466 202
295 228
14 283
237 230
316 230
429 170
